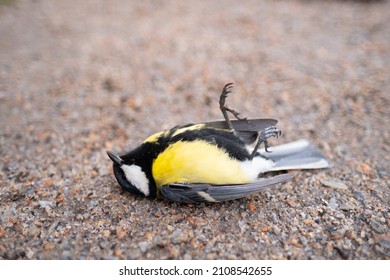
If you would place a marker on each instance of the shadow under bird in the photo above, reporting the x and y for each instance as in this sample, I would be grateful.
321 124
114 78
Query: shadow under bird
212 161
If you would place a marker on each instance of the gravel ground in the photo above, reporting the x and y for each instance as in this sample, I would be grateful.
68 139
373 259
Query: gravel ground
80 77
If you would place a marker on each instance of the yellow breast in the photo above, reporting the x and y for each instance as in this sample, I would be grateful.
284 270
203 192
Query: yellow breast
197 162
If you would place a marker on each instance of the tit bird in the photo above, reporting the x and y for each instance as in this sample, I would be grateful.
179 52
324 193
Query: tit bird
212 161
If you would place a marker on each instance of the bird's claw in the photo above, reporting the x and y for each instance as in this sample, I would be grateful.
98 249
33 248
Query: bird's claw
222 100
271 131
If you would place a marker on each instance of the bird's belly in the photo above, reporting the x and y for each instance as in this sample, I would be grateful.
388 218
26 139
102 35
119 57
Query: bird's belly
197 162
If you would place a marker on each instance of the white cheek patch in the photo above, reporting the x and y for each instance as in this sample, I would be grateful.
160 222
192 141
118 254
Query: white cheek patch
136 177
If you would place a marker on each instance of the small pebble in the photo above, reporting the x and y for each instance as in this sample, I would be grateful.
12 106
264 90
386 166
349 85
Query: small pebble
333 203
346 206
143 246
383 246
242 225
47 204
358 196
30 253
377 226
331 183
330 228
170 228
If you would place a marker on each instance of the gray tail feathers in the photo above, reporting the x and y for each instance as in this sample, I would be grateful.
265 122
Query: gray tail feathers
300 154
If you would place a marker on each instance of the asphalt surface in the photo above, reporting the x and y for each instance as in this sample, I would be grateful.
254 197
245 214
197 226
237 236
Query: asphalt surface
78 78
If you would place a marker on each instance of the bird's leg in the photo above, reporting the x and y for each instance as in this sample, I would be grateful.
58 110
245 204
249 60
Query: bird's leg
271 131
224 109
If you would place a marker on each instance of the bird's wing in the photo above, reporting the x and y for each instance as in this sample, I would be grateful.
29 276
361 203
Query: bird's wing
194 193
247 129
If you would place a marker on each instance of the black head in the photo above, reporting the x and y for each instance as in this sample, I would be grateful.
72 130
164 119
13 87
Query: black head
130 176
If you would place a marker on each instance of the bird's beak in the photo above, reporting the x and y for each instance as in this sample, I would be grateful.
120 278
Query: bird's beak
115 157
